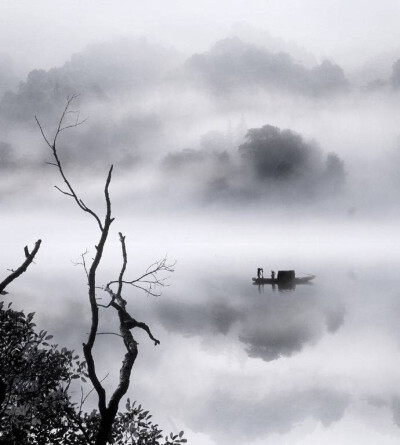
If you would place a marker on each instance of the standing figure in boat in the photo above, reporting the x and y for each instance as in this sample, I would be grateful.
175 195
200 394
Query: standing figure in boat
260 272
272 275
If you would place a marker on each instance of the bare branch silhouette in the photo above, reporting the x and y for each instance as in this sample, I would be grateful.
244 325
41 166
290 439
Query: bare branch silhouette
29 257
150 280
58 164
118 303
147 282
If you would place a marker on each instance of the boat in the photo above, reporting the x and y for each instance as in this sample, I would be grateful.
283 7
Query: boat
297 280
285 277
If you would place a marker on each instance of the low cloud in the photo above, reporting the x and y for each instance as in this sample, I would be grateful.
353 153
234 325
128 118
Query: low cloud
232 64
8 78
271 164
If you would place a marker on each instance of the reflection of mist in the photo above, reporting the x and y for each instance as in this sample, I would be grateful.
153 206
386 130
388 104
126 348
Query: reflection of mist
196 319
243 365
270 327
242 421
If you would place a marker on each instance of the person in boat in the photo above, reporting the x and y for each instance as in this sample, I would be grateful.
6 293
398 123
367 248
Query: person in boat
259 272
272 274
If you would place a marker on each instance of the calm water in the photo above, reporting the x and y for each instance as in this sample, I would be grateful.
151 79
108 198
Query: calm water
237 364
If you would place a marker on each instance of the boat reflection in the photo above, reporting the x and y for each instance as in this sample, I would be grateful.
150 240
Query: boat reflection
281 287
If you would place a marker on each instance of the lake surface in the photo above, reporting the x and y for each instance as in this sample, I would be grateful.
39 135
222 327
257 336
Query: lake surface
237 364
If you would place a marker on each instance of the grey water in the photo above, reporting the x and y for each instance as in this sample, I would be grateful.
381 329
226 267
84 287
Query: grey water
239 363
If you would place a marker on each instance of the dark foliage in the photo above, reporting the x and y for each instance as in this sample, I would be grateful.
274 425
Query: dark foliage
281 161
272 163
36 379
283 155
278 154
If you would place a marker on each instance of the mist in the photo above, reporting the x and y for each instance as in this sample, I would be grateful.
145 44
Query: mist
241 137
151 109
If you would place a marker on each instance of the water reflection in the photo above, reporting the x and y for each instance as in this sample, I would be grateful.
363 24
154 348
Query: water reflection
228 313
285 280
236 421
247 363
280 286
269 327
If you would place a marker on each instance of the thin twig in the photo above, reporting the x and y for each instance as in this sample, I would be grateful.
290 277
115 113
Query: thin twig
152 272
109 333
83 263
88 394
58 164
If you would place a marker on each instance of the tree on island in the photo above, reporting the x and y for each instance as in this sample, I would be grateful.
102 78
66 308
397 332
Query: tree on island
284 158
277 154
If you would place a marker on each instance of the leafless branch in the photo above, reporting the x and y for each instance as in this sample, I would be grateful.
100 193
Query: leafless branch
63 192
109 333
104 227
148 290
83 399
29 257
125 262
149 280
127 322
58 164
83 263
76 124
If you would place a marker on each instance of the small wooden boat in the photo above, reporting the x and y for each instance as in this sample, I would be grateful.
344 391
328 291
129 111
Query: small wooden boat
285 277
297 280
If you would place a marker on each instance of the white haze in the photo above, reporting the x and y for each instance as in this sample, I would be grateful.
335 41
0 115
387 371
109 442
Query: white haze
46 33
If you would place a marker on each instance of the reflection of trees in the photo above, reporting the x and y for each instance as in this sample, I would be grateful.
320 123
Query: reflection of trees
270 327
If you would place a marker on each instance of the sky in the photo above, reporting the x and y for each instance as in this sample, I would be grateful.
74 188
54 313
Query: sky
45 33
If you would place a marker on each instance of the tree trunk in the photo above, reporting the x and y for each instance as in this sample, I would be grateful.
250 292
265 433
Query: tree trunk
105 428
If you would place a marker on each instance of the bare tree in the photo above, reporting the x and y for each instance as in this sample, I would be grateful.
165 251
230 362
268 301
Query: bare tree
149 281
